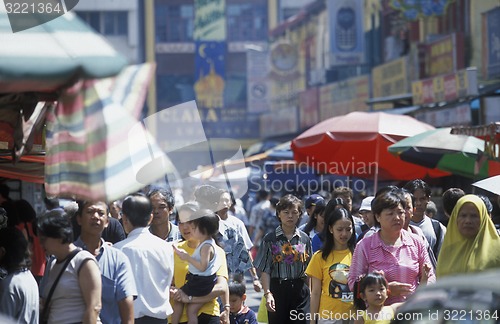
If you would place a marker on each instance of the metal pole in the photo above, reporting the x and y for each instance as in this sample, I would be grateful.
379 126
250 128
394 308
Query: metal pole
149 30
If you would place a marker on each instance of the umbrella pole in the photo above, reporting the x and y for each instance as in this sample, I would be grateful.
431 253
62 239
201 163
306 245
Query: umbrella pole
375 177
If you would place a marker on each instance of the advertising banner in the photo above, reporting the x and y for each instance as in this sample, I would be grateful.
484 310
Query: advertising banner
209 74
447 87
491 44
258 88
343 97
347 40
210 20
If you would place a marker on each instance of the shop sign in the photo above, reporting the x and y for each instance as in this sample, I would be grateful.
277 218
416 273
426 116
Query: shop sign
447 87
391 78
491 44
343 97
445 55
279 122
460 115
308 105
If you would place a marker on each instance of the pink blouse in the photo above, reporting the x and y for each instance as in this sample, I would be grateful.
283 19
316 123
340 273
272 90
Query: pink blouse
401 263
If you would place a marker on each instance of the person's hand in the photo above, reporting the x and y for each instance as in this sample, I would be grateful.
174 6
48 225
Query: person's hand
172 291
425 270
399 288
183 255
181 296
270 305
257 286
224 316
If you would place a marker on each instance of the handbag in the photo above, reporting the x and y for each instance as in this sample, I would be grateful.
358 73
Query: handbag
44 315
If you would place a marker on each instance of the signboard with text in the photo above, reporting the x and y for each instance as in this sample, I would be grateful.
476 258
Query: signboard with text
447 87
308 113
491 44
445 55
460 115
279 122
347 39
343 97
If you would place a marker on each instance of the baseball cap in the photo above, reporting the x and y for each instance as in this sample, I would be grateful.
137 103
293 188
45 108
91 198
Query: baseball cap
313 200
366 204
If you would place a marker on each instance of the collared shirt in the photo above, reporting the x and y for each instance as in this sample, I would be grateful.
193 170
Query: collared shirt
152 261
244 316
117 280
401 263
237 255
174 235
283 258
236 223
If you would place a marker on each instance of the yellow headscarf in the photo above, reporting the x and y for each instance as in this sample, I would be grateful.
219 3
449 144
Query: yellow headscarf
461 255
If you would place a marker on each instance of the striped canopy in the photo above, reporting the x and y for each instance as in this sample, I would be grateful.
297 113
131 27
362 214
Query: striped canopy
96 147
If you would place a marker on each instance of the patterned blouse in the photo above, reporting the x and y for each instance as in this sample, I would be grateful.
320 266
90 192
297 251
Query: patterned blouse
283 258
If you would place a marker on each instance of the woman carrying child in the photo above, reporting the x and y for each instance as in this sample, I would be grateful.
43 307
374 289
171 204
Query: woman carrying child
203 264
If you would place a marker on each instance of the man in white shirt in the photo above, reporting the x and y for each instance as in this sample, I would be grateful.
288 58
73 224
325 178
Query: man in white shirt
152 261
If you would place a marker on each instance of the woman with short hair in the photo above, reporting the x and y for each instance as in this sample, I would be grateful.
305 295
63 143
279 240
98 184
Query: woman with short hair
77 295
400 255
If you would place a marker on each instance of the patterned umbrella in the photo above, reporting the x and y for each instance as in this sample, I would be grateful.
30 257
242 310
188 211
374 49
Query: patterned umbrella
458 154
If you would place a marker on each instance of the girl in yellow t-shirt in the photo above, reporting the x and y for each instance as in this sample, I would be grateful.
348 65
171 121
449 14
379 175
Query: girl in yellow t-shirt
373 291
331 299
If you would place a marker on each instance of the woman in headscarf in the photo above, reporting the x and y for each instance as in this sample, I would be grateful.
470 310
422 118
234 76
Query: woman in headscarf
471 243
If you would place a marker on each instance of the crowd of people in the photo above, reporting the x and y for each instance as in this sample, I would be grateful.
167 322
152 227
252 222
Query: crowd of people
314 259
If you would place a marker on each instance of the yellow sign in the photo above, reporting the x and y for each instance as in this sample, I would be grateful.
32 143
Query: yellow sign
391 78
343 97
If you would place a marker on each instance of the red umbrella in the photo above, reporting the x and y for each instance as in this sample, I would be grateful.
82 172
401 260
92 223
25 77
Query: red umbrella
356 145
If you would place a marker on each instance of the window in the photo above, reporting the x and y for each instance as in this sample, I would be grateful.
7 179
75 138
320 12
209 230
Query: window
106 22
235 90
246 22
174 89
174 23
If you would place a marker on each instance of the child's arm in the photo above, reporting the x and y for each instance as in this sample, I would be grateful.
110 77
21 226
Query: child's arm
206 254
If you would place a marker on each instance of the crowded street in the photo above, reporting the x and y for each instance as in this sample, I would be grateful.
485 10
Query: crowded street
249 161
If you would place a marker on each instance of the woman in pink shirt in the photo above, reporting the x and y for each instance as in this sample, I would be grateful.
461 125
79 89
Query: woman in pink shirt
400 255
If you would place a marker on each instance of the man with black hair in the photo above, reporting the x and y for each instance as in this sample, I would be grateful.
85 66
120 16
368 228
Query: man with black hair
118 283
163 206
450 198
152 261
433 230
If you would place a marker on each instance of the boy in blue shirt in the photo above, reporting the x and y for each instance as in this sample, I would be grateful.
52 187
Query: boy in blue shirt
240 313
